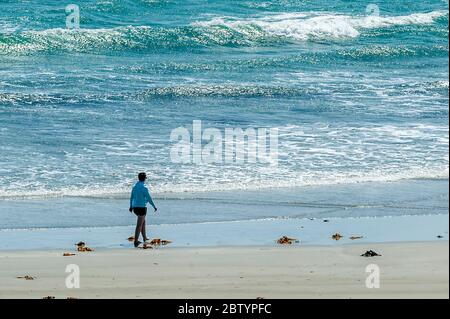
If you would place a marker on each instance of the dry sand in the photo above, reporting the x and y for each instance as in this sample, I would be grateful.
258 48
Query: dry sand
408 270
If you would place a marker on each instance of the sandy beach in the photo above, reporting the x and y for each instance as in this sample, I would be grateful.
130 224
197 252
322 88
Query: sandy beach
408 270
237 124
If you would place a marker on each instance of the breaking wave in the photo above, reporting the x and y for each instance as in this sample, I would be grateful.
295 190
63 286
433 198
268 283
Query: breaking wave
218 31
121 191
313 26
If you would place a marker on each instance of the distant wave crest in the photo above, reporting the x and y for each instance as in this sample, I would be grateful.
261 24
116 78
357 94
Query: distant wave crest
218 31
303 26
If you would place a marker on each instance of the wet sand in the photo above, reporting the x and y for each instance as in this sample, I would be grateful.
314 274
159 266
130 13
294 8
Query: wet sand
408 270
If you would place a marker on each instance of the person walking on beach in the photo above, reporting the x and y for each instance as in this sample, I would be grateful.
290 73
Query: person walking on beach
140 196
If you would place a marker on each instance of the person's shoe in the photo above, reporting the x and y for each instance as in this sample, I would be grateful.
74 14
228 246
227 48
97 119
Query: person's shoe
137 243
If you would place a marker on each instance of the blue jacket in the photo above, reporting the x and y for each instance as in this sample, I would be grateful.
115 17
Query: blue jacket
140 196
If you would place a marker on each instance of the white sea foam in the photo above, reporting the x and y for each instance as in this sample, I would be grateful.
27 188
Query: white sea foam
319 154
296 26
6 27
228 183
305 26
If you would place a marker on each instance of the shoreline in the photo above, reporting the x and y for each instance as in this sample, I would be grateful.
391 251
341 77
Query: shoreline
407 270
310 232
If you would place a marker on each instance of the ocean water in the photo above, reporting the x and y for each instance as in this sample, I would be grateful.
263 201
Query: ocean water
358 100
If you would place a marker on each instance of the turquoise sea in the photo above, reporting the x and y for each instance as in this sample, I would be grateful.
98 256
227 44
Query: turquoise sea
360 101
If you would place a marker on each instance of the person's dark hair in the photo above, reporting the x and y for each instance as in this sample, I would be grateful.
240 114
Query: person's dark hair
142 177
